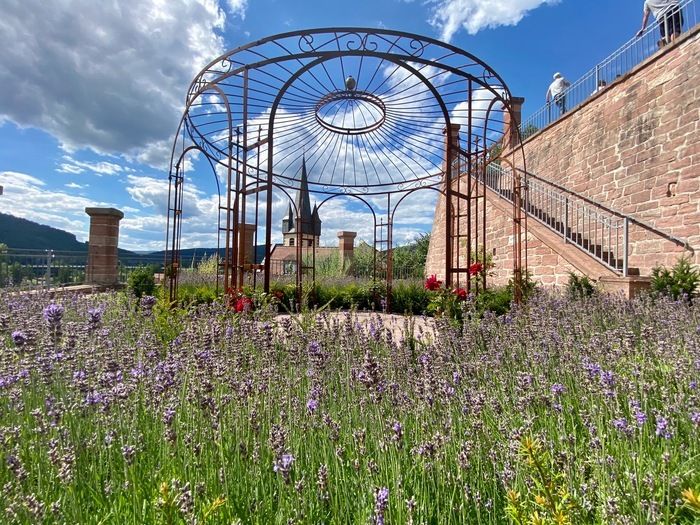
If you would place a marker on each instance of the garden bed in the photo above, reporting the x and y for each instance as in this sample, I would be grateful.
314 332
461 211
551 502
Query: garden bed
115 411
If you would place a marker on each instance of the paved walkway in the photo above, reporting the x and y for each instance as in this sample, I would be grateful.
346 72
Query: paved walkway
423 327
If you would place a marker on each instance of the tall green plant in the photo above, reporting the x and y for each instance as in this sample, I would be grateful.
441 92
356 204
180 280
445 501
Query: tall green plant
679 282
142 281
579 286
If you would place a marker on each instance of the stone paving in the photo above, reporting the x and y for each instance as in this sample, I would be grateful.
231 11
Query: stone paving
423 327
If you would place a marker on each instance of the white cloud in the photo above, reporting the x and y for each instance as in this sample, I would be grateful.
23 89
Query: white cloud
474 15
55 208
109 76
98 168
76 186
237 7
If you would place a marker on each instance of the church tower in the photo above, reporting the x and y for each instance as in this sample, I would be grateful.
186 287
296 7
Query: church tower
309 221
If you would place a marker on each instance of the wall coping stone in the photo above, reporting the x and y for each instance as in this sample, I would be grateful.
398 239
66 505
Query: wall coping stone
104 211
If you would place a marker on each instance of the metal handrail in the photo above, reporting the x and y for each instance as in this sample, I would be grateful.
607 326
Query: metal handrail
631 54
634 220
601 233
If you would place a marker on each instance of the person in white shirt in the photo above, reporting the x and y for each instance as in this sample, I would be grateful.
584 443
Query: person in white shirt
669 16
557 91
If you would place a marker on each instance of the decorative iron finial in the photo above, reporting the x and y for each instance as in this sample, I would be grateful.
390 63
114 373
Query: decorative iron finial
350 83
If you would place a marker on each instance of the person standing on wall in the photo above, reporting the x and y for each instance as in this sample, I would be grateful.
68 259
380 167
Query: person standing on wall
557 93
669 16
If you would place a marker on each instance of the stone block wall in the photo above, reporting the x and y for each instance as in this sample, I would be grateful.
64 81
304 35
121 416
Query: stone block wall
635 147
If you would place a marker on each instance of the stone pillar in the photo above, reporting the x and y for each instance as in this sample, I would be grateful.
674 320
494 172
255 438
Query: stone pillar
103 258
247 235
454 131
511 122
346 247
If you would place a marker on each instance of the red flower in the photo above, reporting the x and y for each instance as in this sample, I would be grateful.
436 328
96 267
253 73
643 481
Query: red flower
432 283
476 269
244 304
461 294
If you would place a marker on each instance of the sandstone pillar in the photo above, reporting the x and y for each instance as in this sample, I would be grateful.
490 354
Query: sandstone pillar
511 123
454 132
346 247
103 258
247 235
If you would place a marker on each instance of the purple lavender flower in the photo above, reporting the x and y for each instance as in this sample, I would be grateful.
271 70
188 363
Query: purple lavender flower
19 338
94 398
398 432
622 425
95 317
148 302
695 418
53 314
312 405
608 378
168 415
381 501
128 451
558 389
640 417
283 466
593 369
662 429
314 348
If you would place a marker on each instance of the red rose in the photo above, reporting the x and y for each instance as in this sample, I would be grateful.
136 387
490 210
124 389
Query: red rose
476 269
432 283
244 304
461 293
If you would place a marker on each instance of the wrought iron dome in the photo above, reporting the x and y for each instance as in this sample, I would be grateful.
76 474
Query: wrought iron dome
368 113
381 132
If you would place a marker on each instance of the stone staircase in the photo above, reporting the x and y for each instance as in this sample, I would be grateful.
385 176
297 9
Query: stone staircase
594 229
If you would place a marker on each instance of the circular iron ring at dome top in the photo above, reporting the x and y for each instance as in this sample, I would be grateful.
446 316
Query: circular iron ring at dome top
365 111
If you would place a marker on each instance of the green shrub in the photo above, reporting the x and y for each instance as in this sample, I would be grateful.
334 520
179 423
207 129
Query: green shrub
142 281
409 297
679 282
529 286
202 294
579 286
496 300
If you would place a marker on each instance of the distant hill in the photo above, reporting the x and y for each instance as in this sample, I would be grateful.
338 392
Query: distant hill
187 255
27 235
23 234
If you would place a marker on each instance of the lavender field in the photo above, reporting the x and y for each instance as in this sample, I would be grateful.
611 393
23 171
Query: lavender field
114 411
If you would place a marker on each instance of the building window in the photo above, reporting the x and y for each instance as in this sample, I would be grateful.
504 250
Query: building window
311 242
291 241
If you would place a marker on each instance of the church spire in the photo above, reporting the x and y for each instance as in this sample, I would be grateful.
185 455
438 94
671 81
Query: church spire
303 201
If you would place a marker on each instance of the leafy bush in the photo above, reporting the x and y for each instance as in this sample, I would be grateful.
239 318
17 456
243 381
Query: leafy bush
201 294
679 282
496 300
579 286
142 281
529 286
409 297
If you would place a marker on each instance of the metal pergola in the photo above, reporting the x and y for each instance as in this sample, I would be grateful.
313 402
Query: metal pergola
374 115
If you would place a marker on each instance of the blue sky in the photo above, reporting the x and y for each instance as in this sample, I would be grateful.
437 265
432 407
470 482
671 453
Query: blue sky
91 91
